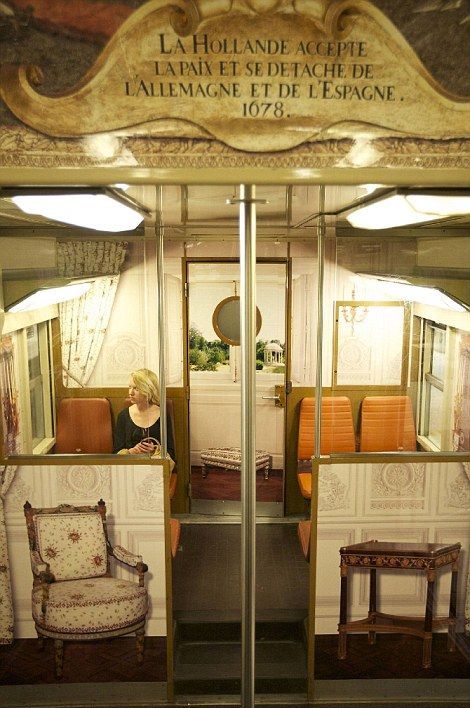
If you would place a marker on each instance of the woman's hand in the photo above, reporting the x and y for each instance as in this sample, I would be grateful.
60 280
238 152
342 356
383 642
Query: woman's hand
142 448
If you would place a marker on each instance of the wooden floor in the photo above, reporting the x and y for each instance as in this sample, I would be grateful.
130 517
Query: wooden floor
224 485
84 662
394 656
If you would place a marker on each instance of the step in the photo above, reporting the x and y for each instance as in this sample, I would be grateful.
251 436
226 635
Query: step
231 631
222 660
208 657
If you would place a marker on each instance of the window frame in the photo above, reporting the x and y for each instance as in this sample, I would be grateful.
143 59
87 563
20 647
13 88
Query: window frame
429 381
45 444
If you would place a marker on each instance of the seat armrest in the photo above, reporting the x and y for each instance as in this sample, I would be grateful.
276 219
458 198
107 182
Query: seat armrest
40 568
41 571
131 559
125 556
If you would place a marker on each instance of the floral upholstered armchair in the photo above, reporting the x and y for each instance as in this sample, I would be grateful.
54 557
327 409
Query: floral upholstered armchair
74 596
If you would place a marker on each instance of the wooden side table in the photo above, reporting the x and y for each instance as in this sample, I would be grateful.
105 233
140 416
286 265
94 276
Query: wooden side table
374 555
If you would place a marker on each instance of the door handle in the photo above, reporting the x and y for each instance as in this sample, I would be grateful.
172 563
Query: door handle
279 397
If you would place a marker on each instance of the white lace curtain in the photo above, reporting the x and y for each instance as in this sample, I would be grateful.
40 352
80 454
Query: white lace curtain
6 603
462 398
10 396
11 430
83 321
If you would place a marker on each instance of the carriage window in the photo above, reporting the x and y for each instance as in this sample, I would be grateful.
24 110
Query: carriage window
36 382
434 388
37 433
26 388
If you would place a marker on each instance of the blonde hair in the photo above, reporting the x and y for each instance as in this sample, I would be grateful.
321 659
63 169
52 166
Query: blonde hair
146 381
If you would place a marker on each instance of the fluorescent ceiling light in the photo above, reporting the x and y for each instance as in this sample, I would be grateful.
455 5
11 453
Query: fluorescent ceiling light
426 295
443 205
100 209
401 207
49 296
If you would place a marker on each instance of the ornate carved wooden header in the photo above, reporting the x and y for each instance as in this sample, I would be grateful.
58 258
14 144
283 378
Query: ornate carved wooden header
258 75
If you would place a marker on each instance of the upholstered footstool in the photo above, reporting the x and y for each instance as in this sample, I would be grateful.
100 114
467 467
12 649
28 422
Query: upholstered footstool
230 458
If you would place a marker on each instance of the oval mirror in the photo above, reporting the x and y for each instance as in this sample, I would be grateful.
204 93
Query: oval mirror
226 320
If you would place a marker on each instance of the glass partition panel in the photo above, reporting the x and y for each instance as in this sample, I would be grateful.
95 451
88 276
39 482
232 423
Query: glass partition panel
84 348
400 363
393 554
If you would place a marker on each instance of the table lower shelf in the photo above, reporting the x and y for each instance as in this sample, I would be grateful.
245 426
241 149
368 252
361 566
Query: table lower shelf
379 622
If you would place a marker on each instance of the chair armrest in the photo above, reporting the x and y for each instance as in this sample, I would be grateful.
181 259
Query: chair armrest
125 556
131 559
42 572
40 568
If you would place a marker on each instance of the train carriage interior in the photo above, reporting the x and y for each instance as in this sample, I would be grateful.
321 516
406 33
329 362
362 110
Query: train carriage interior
343 277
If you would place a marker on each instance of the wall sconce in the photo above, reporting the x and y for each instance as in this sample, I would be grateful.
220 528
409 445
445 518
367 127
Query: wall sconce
400 207
101 208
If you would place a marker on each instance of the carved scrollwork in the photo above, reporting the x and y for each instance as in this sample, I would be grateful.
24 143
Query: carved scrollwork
184 17
332 492
84 482
153 77
394 561
23 147
149 494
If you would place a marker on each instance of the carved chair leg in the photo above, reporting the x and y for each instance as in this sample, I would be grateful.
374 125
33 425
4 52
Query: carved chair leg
59 656
40 641
140 639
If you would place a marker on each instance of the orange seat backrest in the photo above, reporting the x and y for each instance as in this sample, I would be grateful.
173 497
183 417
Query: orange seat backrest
387 424
84 426
337 427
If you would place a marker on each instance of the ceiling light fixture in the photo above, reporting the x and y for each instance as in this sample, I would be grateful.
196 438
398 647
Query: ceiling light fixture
49 295
400 289
101 209
401 207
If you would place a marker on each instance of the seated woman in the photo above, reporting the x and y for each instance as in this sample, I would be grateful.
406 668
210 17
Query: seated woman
142 419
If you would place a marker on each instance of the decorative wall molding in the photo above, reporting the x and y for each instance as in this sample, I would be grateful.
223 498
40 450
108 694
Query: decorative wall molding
334 492
84 482
123 353
396 486
21 147
457 489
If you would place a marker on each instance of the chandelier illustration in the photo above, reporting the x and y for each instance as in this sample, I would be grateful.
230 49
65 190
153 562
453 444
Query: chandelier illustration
354 314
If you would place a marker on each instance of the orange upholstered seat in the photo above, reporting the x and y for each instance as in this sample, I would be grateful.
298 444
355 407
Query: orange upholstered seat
303 532
84 426
171 421
175 532
387 424
337 434
337 428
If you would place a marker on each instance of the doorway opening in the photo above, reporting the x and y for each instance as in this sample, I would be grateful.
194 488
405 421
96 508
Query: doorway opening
214 375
